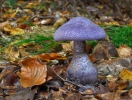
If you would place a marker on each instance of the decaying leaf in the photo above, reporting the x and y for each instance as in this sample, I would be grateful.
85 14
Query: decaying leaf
67 46
32 72
50 56
115 66
60 22
123 84
124 50
2 25
105 50
126 75
12 53
110 96
113 84
14 31
47 21
24 94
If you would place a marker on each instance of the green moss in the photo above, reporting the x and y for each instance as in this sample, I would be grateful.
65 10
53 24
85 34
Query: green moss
120 35
93 43
41 38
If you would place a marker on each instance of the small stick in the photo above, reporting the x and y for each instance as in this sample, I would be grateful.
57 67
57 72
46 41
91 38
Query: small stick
67 80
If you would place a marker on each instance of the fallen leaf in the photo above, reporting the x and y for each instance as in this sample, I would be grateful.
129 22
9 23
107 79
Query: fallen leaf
24 94
113 84
105 50
44 56
14 14
14 31
124 50
3 24
47 21
60 22
125 75
12 53
32 72
55 55
67 46
87 92
123 84
130 93
110 96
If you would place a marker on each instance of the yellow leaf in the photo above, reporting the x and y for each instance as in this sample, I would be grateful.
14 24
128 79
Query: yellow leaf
11 53
14 31
126 75
13 15
60 22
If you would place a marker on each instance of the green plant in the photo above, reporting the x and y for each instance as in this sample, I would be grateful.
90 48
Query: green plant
41 37
120 35
10 3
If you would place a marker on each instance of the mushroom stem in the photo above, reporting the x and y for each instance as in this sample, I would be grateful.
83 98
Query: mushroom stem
81 70
79 46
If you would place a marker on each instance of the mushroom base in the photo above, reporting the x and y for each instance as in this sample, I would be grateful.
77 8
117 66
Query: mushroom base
81 70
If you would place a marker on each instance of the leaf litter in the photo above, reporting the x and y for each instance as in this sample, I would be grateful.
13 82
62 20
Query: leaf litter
25 76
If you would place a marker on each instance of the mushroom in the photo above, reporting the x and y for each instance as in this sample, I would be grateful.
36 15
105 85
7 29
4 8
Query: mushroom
81 70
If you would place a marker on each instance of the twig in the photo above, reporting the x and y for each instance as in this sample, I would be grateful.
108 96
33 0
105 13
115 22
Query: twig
43 17
67 80
118 9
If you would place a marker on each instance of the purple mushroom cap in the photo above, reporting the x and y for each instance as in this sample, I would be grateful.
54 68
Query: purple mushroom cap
80 29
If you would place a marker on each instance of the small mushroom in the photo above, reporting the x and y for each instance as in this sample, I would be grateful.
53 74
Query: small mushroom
81 70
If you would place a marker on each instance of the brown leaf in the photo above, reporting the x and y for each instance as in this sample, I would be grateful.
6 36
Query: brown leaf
2 25
113 84
32 72
123 84
130 93
51 56
87 92
105 50
67 46
24 94
124 50
44 57
110 96
55 55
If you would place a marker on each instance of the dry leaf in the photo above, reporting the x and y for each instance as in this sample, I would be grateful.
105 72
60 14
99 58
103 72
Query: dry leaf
44 56
14 31
60 22
105 50
3 24
47 21
113 84
125 75
55 55
123 84
67 46
110 96
87 92
14 14
50 56
130 93
12 53
32 72
124 50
